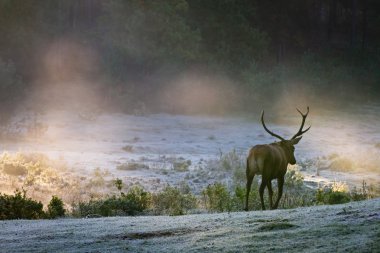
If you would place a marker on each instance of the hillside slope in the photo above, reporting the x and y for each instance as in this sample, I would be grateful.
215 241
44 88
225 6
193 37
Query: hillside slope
352 227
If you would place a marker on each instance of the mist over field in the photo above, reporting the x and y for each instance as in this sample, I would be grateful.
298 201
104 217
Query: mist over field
119 108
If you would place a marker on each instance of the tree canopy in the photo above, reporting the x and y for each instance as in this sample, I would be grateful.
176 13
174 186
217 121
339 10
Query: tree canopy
135 46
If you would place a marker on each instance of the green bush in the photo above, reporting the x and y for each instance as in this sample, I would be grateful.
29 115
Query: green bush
90 208
56 208
18 206
135 201
331 197
173 201
254 198
181 166
118 183
338 198
217 198
293 178
362 193
339 193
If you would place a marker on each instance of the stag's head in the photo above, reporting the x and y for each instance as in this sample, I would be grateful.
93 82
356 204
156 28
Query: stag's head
288 145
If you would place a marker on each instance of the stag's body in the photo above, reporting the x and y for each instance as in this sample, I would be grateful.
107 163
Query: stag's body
271 162
263 157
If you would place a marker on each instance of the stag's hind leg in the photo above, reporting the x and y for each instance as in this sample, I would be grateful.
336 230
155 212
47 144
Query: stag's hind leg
280 188
249 184
269 185
261 192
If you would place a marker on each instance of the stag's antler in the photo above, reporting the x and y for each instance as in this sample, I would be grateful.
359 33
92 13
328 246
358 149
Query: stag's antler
266 129
300 131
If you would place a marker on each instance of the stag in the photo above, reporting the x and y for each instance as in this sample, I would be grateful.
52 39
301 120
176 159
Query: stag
271 162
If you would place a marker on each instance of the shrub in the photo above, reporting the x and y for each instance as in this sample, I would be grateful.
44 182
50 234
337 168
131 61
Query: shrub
135 201
217 198
181 166
34 171
337 193
342 164
239 176
293 177
132 166
90 208
363 193
338 198
231 160
254 198
55 208
172 201
118 183
18 206
128 148
14 169
303 196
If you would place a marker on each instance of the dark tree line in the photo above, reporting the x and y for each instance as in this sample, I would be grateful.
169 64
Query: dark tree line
139 44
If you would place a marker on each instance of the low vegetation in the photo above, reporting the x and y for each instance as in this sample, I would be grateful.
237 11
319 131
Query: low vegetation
135 201
369 162
338 193
132 166
56 208
181 165
177 201
173 201
19 206
35 172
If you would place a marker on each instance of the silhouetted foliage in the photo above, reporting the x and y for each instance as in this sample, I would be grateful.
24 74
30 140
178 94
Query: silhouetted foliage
119 184
173 201
319 48
56 208
18 206
135 201
217 198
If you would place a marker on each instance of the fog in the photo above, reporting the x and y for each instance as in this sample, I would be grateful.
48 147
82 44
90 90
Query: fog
95 86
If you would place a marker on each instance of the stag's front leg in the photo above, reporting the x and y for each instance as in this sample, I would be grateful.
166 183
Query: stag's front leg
269 185
261 192
280 188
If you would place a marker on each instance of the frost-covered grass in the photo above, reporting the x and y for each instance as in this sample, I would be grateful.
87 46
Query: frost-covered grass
81 158
352 227
157 150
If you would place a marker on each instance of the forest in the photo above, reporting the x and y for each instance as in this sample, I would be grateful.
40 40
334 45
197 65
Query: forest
149 108
187 56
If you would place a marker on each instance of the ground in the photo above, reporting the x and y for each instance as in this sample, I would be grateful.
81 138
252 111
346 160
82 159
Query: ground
86 151
352 227
155 150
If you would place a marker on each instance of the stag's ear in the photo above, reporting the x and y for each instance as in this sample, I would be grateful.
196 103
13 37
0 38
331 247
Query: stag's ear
296 140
